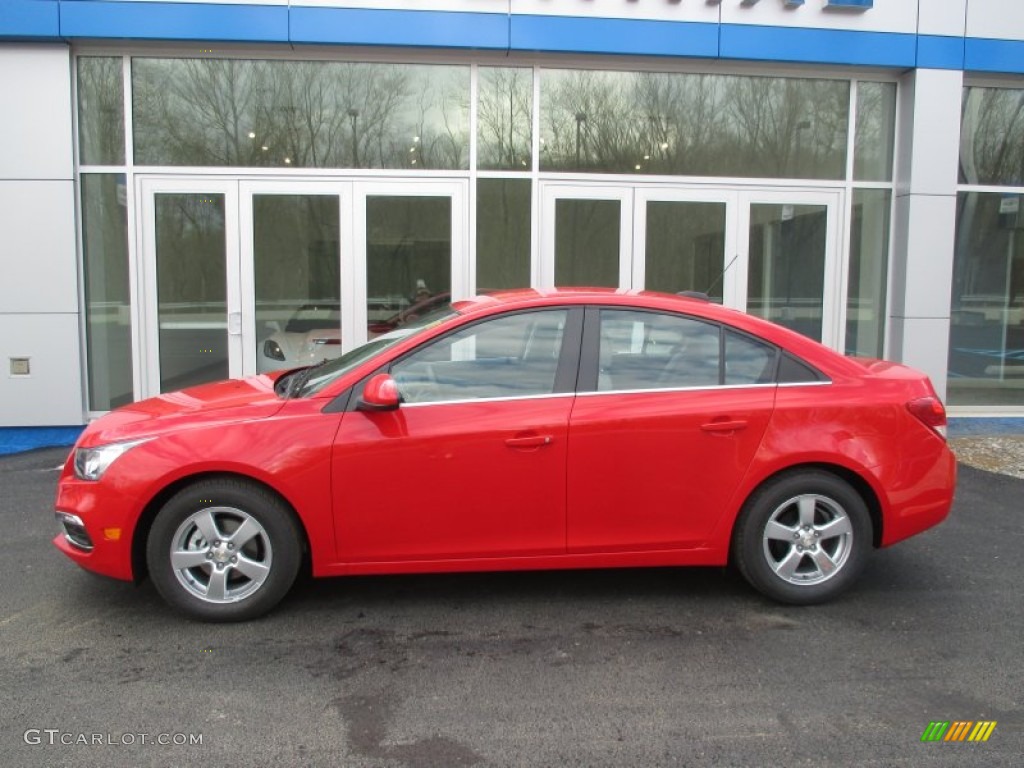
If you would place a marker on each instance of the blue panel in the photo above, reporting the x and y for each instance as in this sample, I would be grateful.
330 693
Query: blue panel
934 52
627 36
852 5
983 55
174 21
29 19
419 28
18 439
824 46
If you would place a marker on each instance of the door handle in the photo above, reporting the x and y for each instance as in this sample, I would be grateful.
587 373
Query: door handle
532 441
724 426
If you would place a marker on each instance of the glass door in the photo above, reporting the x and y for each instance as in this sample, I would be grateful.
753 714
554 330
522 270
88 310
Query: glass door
410 253
294 279
791 266
686 240
191 297
586 236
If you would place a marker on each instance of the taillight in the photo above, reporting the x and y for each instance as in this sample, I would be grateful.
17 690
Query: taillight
930 412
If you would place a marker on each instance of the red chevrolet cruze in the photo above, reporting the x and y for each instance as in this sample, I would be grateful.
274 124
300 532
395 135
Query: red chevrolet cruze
527 430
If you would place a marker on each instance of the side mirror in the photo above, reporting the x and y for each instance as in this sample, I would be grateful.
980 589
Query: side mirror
379 394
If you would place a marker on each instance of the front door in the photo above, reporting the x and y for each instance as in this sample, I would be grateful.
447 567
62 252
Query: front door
472 465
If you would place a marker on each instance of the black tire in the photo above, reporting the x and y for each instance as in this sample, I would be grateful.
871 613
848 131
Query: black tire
245 571
803 537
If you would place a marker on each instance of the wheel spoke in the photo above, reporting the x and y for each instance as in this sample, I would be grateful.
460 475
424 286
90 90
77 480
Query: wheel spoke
787 566
246 531
825 563
778 531
806 505
837 527
254 570
217 587
183 559
207 526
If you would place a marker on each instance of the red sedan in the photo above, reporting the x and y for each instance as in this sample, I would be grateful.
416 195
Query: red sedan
527 430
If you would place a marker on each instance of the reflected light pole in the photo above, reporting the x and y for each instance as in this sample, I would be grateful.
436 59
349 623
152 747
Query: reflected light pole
354 114
581 118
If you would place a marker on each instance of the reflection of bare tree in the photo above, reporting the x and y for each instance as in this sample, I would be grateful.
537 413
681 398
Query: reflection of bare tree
300 114
992 139
694 124
505 117
101 110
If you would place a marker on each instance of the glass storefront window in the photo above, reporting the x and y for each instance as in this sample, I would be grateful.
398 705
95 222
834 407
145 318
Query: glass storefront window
786 275
868 278
191 289
300 114
992 136
108 328
504 118
876 131
986 340
502 233
408 258
685 247
587 236
690 124
100 111
297 280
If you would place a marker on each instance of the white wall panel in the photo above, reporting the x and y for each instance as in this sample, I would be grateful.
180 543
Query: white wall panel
37 247
35 130
998 19
52 394
923 343
474 6
942 17
658 10
885 16
930 154
925 230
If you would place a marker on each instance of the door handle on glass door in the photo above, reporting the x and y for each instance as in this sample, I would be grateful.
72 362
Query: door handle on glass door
724 426
531 441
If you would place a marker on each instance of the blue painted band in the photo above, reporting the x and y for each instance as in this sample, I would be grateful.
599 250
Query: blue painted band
174 21
19 439
26 19
853 5
935 52
982 55
567 34
420 28
821 46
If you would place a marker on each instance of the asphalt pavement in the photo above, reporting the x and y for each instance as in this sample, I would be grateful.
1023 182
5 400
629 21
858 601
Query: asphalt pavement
620 668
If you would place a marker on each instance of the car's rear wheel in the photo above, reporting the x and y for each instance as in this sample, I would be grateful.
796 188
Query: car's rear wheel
802 537
224 550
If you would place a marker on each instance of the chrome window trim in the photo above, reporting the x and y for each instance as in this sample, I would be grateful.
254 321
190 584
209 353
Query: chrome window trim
514 398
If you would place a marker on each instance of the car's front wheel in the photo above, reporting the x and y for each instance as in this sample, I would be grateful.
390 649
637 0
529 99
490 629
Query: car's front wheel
803 537
224 550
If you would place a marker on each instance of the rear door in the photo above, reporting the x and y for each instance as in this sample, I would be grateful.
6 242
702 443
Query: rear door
675 412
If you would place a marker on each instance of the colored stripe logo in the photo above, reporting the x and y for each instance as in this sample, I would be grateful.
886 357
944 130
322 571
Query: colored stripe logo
958 730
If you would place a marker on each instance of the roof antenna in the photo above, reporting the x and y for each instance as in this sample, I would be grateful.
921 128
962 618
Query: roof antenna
703 295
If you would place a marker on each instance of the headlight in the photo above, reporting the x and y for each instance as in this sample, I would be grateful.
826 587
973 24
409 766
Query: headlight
91 463
272 350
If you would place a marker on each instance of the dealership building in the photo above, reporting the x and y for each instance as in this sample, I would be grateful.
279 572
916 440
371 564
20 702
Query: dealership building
182 182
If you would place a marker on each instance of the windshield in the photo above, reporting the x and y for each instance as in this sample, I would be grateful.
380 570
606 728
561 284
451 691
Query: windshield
320 376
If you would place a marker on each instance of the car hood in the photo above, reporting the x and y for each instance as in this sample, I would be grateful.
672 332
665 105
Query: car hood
205 405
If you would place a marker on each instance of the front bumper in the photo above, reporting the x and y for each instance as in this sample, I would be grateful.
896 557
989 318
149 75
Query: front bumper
96 528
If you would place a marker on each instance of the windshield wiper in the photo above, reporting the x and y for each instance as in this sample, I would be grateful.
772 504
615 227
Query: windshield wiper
300 379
